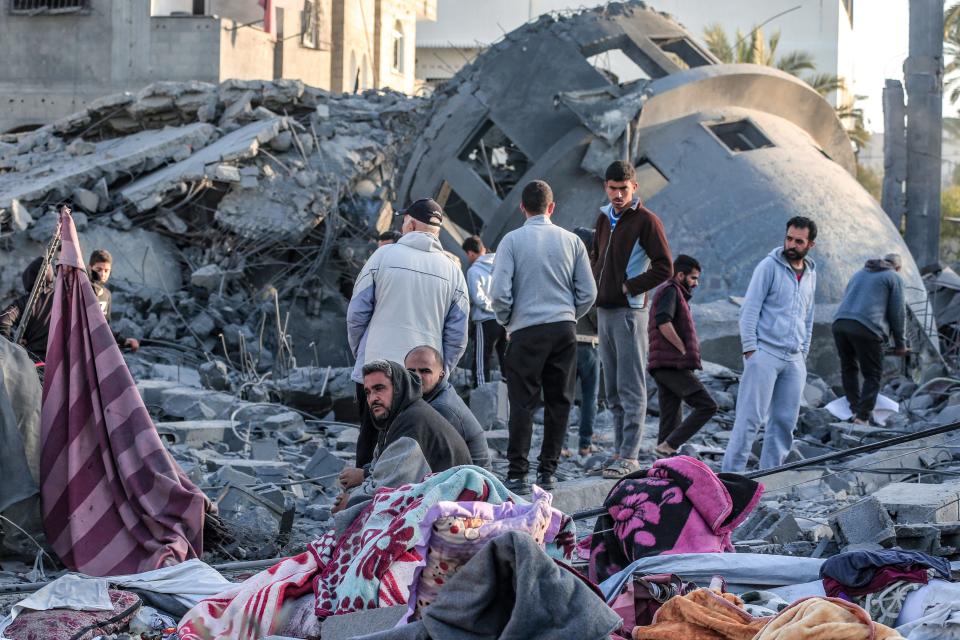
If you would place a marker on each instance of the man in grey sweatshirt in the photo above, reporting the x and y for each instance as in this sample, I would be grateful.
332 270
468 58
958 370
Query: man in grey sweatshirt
542 284
776 325
872 308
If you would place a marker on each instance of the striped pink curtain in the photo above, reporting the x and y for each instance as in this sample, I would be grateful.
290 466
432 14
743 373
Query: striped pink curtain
114 501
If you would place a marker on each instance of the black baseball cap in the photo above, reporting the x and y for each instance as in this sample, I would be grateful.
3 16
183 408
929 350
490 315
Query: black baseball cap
425 210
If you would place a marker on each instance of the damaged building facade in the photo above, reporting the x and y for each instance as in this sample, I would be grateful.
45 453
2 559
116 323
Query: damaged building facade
61 55
725 155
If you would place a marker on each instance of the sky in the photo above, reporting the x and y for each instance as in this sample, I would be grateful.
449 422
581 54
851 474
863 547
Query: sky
881 36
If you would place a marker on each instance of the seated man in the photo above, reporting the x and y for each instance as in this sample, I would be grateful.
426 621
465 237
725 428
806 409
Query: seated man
37 320
101 265
396 409
425 361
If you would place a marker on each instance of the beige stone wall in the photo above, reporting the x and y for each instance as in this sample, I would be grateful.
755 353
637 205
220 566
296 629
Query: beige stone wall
397 17
354 38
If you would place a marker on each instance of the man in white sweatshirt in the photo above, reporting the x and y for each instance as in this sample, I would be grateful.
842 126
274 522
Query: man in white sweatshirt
542 284
489 335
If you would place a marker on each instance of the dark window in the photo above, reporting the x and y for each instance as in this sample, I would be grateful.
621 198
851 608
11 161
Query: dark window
49 6
621 61
742 135
684 53
649 179
496 159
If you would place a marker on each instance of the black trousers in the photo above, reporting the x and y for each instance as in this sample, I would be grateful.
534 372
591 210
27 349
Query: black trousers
490 336
674 387
540 358
861 352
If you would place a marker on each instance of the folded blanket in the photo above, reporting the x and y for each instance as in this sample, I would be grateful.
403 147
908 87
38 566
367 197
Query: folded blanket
825 619
702 615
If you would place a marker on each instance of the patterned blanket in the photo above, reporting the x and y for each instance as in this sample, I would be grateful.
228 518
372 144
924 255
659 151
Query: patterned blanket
371 564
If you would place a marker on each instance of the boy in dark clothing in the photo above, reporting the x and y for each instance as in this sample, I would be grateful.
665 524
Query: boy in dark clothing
34 338
101 265
674 356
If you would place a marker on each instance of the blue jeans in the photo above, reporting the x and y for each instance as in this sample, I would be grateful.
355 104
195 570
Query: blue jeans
588 372
770 389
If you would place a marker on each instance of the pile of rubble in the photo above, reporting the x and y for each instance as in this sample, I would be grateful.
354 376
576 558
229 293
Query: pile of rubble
269 193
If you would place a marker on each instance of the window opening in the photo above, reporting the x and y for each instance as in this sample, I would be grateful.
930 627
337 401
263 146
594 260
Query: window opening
48 6
649 179
495 159
310 25
459 212
617 67
742 135
398 46
682 52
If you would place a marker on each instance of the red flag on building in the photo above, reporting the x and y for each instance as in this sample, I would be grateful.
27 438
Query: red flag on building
114 501
267 14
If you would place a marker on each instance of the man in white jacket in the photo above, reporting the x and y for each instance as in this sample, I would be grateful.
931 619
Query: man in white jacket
408 294
489 335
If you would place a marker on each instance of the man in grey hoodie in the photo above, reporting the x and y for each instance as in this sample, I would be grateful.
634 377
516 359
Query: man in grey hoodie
872 308
541 285
489 335
776 325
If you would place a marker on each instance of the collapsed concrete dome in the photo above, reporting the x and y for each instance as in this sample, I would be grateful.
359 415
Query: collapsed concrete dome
725 154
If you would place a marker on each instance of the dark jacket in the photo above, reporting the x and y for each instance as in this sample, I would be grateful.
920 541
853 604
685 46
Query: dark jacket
663 355
874 298
636 253
410 416
445 400
38 324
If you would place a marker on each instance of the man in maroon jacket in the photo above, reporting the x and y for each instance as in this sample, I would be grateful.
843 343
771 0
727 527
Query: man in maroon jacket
630 257
674 356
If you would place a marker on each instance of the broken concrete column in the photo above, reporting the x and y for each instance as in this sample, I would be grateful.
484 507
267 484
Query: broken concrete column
894 200
863 523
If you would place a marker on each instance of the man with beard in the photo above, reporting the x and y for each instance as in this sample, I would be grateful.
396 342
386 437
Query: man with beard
776 324
34 338
396 409
674 356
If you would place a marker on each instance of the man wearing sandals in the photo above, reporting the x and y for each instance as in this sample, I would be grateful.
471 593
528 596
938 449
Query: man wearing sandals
776 324
630 257
674 356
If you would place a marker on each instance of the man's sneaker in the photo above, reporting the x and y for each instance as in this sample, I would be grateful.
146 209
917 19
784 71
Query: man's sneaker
546 481
517 485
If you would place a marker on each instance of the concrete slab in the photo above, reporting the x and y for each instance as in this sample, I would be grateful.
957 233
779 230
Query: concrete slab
149 191
571 496
864 522
194 432
912 503
152 391
191 403
58 173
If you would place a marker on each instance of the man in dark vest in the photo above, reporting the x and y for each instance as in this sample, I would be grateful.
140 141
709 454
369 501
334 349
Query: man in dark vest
674 356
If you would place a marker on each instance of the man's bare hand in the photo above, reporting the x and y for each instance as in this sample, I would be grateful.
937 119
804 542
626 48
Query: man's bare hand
132 343
340 503
626 291
350 478
748 354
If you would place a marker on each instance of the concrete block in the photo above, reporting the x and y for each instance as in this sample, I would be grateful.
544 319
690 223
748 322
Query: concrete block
86 200
571 496
256 514
359 623
864 522
326 465
489 404
912 503
264 470
20 216
152 391
498 439
191 403
769 524
193 432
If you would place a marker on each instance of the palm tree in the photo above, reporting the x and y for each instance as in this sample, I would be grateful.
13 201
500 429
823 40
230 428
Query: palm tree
751 48
951 51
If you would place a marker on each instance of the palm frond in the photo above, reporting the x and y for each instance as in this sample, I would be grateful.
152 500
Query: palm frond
825 83
717 42
795 62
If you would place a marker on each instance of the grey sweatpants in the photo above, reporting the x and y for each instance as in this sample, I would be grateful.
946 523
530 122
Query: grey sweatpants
622 334
770 390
